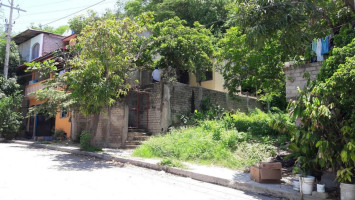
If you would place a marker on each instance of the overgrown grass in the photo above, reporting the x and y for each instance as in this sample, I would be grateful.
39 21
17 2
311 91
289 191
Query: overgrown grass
235 141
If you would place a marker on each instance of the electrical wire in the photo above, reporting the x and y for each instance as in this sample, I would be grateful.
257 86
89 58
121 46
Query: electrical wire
74 13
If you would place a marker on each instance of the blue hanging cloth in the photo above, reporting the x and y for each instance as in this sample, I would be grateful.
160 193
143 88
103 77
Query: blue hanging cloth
325 45
314 46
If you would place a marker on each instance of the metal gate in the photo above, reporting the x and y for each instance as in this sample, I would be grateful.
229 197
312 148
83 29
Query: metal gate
138 104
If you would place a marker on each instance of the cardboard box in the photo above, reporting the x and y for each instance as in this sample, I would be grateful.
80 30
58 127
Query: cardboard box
265 175
273 165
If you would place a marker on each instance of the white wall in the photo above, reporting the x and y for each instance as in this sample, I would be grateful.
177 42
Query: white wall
26 47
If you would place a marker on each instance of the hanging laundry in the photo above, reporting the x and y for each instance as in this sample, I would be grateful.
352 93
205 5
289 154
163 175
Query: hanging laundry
325 46
314 46
319 50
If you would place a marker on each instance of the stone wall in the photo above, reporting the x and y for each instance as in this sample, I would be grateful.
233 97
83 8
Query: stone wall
295 77
118 130
166 102
185 98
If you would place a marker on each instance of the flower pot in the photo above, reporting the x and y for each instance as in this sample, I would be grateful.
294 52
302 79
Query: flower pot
307 184
347 191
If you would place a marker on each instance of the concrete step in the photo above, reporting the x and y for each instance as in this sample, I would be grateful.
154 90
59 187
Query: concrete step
128 146
133 143
135 130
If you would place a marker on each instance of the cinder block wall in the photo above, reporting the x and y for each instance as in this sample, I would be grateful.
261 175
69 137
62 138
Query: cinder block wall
118 130
295 78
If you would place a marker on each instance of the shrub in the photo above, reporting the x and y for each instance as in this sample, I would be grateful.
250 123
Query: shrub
327 111
220 142
85 142
59 135
10 103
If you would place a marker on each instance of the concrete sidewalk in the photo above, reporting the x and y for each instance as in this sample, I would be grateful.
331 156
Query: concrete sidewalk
216 175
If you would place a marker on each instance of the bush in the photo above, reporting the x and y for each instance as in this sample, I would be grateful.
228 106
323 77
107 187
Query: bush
171 163
327 111
85 142
219 142
59 135
10 103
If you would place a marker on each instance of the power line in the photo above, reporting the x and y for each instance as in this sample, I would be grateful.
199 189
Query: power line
74 13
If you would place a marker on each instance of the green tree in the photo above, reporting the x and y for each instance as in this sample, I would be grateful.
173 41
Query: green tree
15 59
211 13
327 111
102 62
297 22
259 71
60 30
183 48
10 103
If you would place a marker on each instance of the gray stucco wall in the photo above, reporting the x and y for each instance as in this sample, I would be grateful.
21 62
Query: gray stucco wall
295 78
51 43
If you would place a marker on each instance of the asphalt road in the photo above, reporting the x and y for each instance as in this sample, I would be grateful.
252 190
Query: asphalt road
28 173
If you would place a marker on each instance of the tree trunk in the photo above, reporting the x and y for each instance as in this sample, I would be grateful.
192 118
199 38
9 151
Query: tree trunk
93 126
108 128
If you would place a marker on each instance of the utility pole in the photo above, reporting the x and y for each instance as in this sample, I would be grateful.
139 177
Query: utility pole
8 36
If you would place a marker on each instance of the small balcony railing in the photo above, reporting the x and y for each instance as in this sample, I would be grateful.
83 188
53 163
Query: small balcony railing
33 88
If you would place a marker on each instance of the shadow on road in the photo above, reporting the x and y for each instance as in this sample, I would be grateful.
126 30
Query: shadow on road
68 162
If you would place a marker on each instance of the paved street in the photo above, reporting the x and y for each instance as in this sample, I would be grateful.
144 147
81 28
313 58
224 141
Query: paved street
28 173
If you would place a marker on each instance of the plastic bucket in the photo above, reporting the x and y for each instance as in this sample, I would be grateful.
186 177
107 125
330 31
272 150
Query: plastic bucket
307 184
320 188
296 184
347 191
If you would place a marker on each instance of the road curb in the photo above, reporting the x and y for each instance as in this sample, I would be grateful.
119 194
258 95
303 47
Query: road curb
181 172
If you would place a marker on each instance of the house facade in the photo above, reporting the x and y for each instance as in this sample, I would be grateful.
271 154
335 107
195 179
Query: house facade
38 46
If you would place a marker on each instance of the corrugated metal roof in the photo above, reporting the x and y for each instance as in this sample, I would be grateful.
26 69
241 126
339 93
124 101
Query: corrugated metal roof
30 33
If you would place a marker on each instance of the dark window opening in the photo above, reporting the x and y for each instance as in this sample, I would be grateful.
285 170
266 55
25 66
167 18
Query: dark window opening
35 51
63 112
183 77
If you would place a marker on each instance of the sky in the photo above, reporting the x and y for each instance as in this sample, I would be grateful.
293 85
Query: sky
50 11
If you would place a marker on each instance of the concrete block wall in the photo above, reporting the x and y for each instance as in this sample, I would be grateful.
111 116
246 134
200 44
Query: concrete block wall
182 94
51 42
295 78
118 130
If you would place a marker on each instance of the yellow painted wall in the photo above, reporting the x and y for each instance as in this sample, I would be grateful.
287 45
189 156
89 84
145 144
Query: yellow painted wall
63 124
215 84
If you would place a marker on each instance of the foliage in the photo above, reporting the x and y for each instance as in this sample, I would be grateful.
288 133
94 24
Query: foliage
211 13
231 141
15 57
101 62
59 135
326 137
345 36
171 163
183 48
295 22
260 70
85 142
59 30
10 102
78 23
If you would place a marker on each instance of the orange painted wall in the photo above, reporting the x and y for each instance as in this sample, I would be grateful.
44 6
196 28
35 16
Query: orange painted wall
63 124
34 102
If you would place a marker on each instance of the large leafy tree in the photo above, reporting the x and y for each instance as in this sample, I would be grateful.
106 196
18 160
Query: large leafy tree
59 30
101 64
212 13
183 48
297 21
257 71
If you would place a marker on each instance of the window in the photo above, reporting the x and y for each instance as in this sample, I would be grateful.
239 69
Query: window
35 51
208 75
63 112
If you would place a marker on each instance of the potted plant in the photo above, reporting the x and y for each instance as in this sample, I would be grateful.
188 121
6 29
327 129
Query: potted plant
347 187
